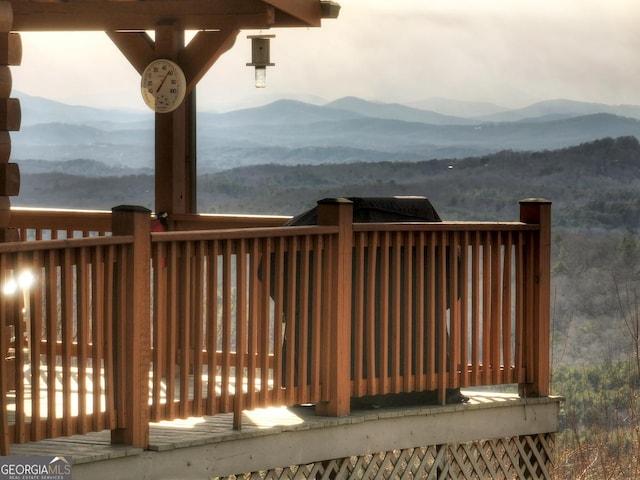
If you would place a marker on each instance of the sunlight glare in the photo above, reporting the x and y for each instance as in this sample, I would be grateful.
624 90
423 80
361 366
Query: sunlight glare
273 416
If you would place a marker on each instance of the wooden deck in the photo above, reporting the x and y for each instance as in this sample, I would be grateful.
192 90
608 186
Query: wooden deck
193 447
220 303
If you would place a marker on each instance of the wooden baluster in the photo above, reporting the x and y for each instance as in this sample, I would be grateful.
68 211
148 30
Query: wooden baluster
316 328
486 308
464 309
241 332
97 337
227 311
171 332
83 299
212 327
475 310
507 302
358 316
442 343
420 313
396 295
254 325
291 320
408 318
382 324
265 347
431 310
495 281
370 308
184 326
278 321
454 347
303 331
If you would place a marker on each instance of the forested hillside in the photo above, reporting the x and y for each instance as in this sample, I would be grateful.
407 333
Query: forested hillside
593 185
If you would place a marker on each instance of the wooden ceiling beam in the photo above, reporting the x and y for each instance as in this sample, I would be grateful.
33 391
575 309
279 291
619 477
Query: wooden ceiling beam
79 15
195 59
30 15
308 12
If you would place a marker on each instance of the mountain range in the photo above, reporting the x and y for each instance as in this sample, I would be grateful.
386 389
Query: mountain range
291 132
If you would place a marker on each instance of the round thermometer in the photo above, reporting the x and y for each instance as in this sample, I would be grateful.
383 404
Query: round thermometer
163 85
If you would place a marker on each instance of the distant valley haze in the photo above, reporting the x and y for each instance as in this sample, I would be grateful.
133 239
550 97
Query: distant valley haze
291 132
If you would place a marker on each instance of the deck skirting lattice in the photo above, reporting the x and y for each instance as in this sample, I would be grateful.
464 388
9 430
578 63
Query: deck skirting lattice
524 457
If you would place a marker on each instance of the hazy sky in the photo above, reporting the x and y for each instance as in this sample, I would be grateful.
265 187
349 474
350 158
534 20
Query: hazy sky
510 52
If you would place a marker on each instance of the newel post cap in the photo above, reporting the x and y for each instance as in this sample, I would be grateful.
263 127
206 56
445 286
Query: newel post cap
543 201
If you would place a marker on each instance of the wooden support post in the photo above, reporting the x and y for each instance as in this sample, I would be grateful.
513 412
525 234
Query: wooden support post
338 211
132 328
538 292
175 164
175 138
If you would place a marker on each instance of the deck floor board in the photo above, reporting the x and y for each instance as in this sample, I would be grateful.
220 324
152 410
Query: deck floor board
195 431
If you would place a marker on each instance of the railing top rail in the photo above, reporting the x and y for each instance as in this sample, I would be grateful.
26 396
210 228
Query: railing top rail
177 216
183 216
288 231
202 221
63 219
100 220
260 226
242 233
445 226
14 247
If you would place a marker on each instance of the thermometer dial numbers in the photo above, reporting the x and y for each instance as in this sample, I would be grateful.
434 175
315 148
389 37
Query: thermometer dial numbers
163 86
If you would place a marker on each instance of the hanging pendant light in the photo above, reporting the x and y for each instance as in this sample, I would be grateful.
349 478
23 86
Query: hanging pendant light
260 57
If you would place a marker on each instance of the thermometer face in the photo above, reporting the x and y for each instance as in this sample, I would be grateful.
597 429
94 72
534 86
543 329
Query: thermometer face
163 86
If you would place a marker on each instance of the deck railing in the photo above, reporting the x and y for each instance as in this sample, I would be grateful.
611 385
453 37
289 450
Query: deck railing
57 336
136 326
52 224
